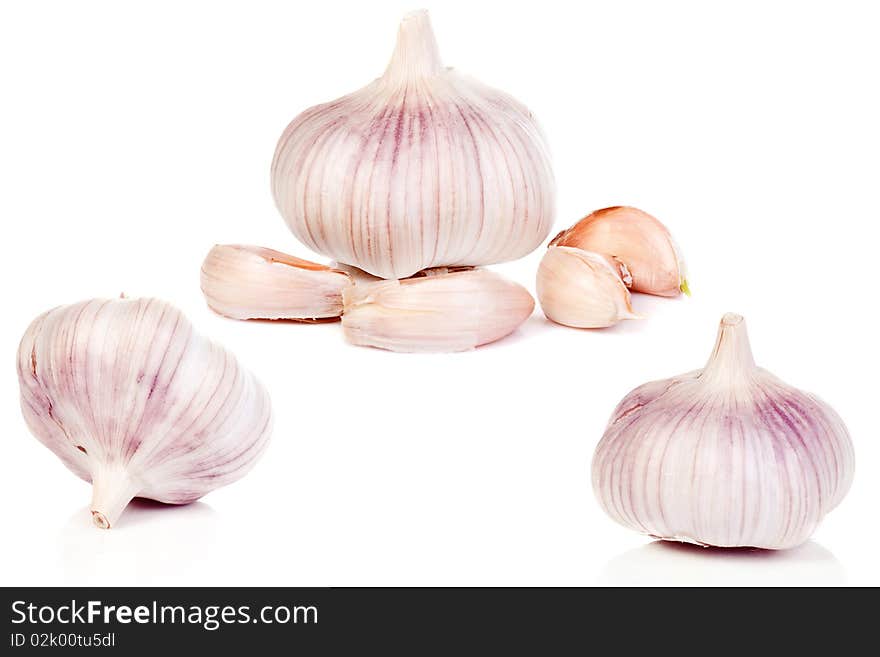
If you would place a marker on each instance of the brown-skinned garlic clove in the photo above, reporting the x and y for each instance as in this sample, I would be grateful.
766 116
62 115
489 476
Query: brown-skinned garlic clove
638 240
583 289
726 456
253 282
440 311
133 400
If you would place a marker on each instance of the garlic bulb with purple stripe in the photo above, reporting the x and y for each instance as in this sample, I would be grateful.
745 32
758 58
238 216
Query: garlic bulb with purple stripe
422 168
725 456
133 400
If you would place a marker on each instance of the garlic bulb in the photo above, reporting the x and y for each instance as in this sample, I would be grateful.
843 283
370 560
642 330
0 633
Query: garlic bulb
583 289
131 399
439 311
724 456
252 282
421 168
638 240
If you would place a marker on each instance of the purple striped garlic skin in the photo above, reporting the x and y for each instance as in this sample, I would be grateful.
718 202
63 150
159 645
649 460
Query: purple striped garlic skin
422 168
726 456
133 400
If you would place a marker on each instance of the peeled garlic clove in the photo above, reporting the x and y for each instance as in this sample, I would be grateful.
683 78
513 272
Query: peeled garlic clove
638 240
421 168
133 400
583 289
725 456
252 282
442 311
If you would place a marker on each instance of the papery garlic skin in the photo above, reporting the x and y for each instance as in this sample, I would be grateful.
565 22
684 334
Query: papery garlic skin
438 312
133 400
357 276
253 282
726 456
421 168
638 240
583 289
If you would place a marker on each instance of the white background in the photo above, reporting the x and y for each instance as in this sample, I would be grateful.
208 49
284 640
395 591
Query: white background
133 136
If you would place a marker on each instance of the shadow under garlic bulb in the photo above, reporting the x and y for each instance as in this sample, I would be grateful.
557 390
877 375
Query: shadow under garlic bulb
133 400
423 167
726 456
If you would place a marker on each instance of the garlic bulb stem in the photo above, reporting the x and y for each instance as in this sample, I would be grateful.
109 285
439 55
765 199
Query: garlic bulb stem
731 360
112 490
416 54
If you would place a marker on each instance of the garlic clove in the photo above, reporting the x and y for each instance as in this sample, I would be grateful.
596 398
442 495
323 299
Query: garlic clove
438 312
133 400
253 282
423 167
637 239
726 456
583 289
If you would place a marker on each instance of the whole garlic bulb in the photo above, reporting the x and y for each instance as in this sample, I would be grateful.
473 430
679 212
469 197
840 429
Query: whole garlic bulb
131 399
725 456
421 168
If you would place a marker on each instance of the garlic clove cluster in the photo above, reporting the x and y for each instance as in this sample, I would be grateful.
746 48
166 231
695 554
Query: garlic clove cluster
726 456
133 400
584 277
421 168
253 282
583 289
638 240
440 311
